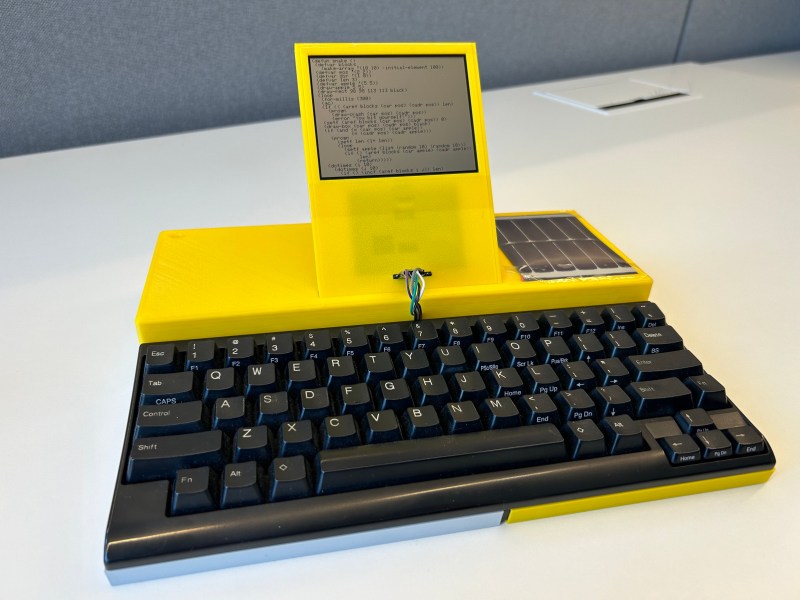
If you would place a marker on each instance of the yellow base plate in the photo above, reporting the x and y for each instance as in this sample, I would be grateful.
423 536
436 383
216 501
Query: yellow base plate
235 280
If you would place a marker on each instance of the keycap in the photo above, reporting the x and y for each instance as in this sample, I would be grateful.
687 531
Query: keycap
612 401
588 320
448 359
523 326
424 335
714 444
389 338
707 392
680 364
610 371
659 398
300 375
504 383
279 349
575 405
555 323
229 413
411 364
619 318
746 440
297 438
219 383
193 491
381 426
161 457
355 400
421 422
317 345
552 350
499 412
252 444
618 344
417 460
201 355
461 417
538 408
341 371
694 420
457 332
339 432
468 386
377 366
541 378
483 357
240 352
314 404
431 391
353 341
260 379
274 410
169 419
240 485
289 479
584 439
393 394
647 314
518 353
168 388
491 329
623 434
680 449
160 358
653 340
576 375
586 347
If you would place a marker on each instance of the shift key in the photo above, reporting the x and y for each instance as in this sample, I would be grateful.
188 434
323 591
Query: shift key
160 457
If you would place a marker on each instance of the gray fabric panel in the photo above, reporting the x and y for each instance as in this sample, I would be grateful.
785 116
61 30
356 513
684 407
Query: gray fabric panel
722 29
78 72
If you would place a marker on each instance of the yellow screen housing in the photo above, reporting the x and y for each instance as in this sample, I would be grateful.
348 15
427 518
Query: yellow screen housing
366 228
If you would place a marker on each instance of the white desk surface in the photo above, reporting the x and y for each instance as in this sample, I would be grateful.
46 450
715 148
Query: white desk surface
703 194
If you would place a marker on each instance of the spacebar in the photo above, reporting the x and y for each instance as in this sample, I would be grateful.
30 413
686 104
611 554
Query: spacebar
361 467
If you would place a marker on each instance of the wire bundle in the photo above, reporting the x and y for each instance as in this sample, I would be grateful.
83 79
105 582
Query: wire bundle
415 287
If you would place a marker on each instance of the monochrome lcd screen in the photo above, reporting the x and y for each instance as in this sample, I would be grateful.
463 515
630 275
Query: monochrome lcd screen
388 116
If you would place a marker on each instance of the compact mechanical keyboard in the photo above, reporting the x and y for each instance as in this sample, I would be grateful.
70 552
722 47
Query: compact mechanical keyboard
267 445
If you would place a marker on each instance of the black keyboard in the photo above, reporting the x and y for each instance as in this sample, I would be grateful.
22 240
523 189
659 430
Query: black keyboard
262 446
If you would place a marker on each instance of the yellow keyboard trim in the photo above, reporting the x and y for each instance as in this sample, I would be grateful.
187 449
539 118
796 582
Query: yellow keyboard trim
565 507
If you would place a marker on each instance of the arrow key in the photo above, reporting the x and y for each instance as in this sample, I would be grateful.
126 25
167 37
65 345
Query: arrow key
714 444
680 449
746 440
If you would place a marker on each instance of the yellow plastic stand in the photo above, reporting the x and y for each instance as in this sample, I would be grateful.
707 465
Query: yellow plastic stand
338 269
367 228
194 291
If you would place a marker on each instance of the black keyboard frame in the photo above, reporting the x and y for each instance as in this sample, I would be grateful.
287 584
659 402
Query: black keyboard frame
140 532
